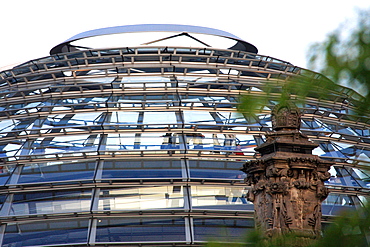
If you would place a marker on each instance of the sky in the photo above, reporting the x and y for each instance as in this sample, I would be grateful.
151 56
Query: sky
281 29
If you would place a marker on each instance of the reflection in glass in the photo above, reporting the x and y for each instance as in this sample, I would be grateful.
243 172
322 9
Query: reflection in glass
49 202
216 169
139 141
136 198
124 169
335 203
220 197
140 229
46 233
5 173
221 229
57 171
348 176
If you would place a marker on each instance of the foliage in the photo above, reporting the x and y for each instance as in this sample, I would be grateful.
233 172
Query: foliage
296 89
349 229
345 57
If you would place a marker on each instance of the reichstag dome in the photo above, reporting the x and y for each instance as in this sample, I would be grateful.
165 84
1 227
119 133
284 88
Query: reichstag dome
129 136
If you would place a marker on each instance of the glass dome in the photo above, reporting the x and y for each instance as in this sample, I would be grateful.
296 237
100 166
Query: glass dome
143 145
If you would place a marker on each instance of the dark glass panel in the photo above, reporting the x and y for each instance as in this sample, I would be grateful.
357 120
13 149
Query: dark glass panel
142 169
57 171
49 202
216 169
221 229
335 203
5 173
46 233
140 230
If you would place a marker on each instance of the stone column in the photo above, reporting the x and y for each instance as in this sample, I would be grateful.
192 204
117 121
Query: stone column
287 181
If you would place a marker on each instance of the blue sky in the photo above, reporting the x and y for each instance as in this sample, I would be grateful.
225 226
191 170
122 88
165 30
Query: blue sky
282 29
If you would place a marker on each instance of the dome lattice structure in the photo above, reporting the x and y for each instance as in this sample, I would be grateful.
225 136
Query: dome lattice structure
143 145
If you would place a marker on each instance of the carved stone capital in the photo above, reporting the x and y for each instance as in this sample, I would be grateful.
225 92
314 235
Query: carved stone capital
287 181
286 116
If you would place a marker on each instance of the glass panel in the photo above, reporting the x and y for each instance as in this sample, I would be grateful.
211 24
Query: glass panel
216 169
213 118
345 176
5 173
141 141
148 119
60 144
2 200
199 117
220 197
140 230
224 230
57 171
137 198
335 203
50 202
80 119
220 143
9 149
162 99
46 233
160 118
142 169
124 118
7 125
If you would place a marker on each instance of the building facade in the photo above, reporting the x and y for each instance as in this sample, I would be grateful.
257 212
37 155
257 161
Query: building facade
140 143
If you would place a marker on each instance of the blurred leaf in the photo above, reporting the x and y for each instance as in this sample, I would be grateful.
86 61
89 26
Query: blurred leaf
345 58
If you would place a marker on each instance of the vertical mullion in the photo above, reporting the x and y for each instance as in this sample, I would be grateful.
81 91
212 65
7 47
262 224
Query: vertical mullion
15 175
92 231
2 233
7 206
189 230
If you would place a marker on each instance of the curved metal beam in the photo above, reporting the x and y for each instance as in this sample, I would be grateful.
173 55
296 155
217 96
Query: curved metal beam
240 45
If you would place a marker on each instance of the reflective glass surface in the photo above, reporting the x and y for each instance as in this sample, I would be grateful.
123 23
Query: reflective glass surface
134 169
145 145
45 233
50 202
233 230
140 230
57 171
141 198
220 197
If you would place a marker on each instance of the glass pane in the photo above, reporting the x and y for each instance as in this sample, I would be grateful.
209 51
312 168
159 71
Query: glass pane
5 173
126 169
50 202
159 118
346 176
61 144
136 198
150 81
222 229
335 203
48 233
231 144
57 171
140 230
141 141
220 197
215 169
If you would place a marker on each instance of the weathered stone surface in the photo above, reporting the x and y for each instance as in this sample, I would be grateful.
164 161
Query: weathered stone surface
287 181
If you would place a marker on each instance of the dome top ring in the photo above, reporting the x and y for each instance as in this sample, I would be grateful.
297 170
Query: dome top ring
240 44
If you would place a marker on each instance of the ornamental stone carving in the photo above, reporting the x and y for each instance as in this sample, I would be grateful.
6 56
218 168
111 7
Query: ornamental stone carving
287 181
